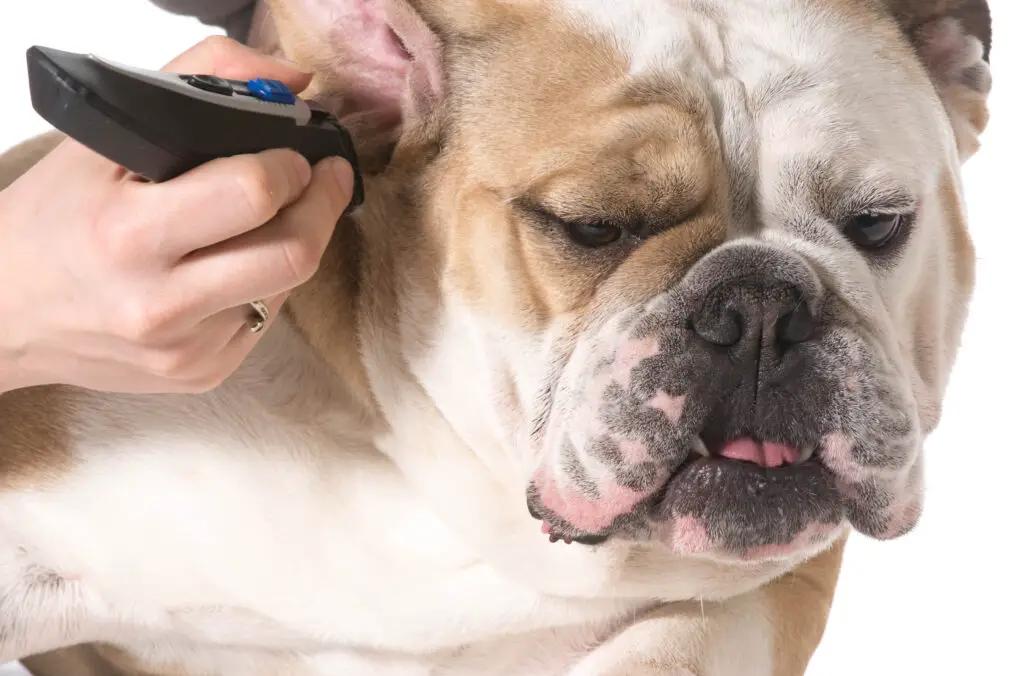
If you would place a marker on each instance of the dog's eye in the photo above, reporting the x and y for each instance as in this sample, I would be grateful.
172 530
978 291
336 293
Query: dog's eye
593 235
873 231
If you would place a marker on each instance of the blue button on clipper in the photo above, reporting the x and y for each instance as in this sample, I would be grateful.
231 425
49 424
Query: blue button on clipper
270 90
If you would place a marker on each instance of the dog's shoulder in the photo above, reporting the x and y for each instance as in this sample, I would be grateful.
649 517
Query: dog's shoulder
17 160
105 497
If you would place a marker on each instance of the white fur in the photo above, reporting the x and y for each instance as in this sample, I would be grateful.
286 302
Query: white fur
668 34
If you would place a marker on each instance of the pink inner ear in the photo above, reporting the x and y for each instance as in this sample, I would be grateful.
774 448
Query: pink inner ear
948 50
383 57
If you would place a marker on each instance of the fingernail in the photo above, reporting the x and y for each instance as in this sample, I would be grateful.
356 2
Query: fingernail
342 173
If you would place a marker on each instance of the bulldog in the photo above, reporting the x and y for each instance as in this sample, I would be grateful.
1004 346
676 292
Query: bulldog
650 305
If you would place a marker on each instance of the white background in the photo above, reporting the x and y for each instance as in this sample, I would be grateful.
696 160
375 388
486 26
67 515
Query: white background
946 599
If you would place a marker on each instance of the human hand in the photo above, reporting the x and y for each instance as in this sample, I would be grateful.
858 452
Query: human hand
114 284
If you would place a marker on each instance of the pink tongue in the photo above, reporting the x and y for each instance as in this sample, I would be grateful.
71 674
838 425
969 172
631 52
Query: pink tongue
767 454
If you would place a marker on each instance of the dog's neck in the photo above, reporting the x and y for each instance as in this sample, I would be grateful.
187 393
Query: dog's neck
378 274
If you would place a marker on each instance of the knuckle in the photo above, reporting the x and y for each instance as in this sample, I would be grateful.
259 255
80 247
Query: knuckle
216 46
143 320
255 188
175 363
302 258
339 192
121 242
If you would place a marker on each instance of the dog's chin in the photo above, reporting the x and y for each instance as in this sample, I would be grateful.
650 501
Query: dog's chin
732 510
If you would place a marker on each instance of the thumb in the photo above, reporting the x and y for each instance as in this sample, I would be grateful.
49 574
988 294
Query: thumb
227 58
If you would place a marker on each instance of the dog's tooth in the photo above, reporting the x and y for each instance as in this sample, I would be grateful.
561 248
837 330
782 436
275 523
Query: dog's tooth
806 452
700 447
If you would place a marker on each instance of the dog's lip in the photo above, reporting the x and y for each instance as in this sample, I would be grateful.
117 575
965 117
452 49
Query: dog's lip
583 539
740 448
699 449
803 493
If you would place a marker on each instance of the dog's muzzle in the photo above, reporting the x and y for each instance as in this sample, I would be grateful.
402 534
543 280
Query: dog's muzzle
742 414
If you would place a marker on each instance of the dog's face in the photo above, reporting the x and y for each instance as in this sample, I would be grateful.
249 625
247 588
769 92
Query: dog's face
703 264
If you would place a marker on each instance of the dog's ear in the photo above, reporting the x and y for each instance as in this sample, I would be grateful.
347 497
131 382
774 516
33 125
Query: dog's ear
953 39
377 64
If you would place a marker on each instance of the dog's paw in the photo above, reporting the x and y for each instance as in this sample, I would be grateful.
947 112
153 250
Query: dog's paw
642 670
726 638
636 669
668 641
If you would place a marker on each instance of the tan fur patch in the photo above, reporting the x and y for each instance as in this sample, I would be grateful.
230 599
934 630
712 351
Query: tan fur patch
799 603
19 159
326 311
96 659
963 245
35 448
637 153
964 262
83 660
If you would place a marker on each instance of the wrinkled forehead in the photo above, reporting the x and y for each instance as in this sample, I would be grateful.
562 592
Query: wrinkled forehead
765 86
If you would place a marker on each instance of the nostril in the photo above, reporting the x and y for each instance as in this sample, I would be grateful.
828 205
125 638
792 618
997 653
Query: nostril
795 326
723 327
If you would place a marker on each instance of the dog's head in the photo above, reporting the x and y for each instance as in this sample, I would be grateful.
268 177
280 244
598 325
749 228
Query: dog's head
701 266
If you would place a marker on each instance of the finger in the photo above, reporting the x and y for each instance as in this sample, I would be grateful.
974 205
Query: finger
198 356
196 362
272 259
104 376
220 199
224 57
220 345
229 326
244 340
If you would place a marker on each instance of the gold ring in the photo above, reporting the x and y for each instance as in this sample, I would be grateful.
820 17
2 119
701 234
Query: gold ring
260 316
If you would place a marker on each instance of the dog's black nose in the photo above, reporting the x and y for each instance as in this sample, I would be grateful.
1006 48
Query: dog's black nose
753 315
755 318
